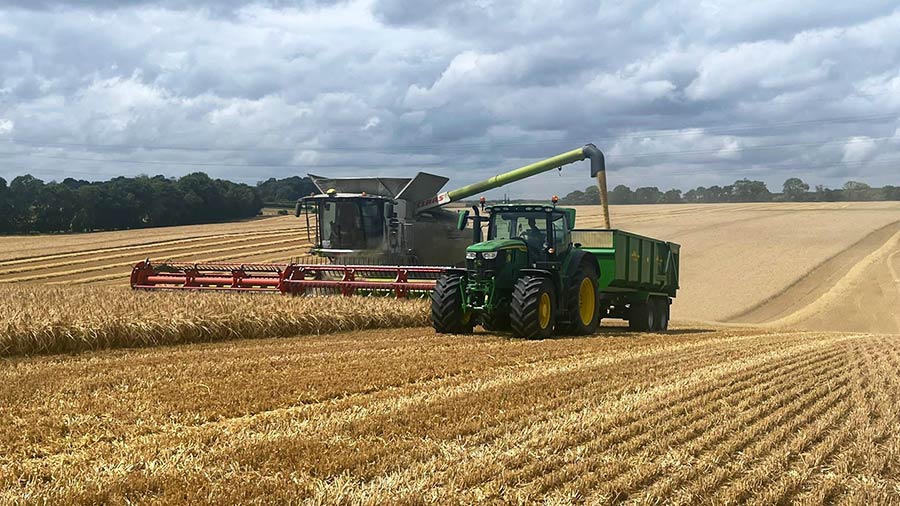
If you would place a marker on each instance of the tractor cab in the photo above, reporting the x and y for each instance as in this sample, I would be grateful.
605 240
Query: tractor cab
545 230
542 232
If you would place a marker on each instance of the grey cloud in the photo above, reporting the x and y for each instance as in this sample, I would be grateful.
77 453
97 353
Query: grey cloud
464 88
166 4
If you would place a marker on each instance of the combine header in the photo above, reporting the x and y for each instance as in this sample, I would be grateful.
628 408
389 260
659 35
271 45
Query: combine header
374 235
291 278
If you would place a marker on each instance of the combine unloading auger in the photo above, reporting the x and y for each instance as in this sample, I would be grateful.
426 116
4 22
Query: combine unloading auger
378 235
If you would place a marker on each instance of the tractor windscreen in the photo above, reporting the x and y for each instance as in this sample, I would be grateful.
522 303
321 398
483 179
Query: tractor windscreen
352 224
531 226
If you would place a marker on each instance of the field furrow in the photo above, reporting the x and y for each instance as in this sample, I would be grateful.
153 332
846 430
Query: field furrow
299 245
670 444
733 427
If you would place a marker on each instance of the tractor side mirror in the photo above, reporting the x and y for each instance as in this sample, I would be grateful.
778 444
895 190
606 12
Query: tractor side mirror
298 209
462 219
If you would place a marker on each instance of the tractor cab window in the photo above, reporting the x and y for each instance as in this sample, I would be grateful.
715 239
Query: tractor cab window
561 233
351 224
529 226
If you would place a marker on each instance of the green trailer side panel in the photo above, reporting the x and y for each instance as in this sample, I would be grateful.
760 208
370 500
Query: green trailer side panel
634 262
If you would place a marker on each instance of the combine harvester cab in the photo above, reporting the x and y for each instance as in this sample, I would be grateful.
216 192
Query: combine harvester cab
369 235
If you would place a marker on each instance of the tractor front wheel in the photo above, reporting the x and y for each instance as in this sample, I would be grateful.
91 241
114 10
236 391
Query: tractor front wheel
447 313
533 308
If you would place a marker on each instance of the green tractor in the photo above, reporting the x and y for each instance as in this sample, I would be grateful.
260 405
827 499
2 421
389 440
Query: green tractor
537 275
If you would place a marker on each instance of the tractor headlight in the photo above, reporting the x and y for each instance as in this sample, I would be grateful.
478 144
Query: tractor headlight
489 255
471 255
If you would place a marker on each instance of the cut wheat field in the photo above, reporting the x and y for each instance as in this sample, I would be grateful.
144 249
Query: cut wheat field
699 414
778 383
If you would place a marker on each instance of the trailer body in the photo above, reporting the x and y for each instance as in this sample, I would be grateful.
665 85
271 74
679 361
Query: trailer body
633 268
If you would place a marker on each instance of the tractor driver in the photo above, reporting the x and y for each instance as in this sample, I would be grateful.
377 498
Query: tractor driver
534 237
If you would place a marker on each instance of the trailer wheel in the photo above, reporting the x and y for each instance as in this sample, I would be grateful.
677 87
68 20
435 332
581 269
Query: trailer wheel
447 315
532 311
662 319
642 316
582 303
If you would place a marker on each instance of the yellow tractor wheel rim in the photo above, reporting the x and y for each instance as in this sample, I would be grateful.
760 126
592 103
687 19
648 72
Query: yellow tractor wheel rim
586 301
544 311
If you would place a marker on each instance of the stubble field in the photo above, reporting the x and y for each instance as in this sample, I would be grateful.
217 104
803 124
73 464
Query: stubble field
778 383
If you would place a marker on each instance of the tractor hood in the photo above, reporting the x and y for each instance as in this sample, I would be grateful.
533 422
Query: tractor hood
497 245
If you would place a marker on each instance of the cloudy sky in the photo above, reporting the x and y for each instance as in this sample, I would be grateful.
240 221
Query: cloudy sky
677 94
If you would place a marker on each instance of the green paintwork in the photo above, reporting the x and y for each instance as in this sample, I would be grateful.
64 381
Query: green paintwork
512 176
570 216
497 245
638 263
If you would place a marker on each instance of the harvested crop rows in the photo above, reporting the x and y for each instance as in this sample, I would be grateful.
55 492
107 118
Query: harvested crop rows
727 416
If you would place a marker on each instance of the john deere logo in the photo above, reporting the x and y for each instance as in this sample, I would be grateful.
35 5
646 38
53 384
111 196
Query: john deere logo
635 256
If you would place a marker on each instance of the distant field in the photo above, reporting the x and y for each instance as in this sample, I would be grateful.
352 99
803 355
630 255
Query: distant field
107 257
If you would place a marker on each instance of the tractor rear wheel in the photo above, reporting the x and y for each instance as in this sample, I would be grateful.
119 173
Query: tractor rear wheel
447 314
532 311
642 316
582 304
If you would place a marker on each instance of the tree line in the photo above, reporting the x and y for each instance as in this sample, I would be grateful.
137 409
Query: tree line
29 205
743 190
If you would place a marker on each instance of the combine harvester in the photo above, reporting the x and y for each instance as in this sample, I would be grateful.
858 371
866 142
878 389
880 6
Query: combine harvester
376 234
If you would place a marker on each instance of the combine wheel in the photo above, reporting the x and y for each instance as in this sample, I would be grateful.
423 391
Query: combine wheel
582 303
447 313
642 316
533 306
